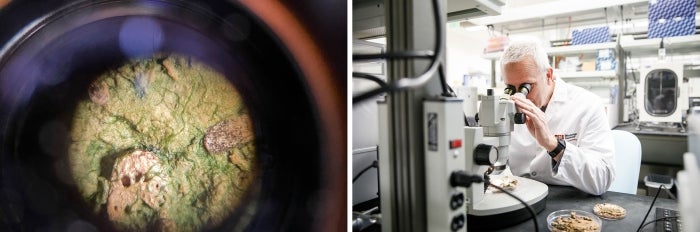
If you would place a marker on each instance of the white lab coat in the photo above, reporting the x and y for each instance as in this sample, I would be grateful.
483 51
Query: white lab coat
588 161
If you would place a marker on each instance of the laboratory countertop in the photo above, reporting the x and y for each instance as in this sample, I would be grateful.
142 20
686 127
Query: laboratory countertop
565 197
648 130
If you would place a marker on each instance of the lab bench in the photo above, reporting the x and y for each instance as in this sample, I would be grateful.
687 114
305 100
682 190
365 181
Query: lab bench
565 197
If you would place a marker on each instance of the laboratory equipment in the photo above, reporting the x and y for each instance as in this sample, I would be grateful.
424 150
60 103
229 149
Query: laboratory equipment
688 179
693 90
496 119
670 224
444 163
664 96
421 151
444 154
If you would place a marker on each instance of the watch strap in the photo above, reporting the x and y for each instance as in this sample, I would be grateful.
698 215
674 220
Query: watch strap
561 145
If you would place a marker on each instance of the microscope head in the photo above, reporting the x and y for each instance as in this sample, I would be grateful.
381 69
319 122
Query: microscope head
497 116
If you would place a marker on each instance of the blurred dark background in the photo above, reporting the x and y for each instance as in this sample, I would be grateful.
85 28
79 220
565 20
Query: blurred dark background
325 19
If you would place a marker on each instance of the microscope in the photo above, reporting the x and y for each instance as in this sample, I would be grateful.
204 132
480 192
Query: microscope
486 152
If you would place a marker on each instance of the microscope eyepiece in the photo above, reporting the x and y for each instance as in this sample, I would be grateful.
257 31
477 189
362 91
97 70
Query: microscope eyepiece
510 90
524 89
519 117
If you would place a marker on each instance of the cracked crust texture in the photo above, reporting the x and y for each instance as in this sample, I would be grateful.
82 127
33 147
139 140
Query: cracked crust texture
575 223
153 113
609 211
506 182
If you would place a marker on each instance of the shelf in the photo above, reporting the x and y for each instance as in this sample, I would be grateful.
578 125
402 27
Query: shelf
689 40
576 49
586 74
550 9
565 50
674 45
679 45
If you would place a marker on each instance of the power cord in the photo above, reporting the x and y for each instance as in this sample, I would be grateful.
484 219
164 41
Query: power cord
446 89
461 178
529 209
409 83
650 207
373 165
395 55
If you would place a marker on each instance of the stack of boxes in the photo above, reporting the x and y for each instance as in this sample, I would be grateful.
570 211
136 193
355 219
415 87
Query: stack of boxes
605 60
606 57
668 18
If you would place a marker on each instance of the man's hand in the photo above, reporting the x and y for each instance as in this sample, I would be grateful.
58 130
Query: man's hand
536 123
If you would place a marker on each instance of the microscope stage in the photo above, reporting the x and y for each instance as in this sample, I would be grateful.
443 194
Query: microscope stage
529 190
498 210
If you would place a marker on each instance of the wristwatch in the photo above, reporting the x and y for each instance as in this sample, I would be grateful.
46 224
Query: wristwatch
561 145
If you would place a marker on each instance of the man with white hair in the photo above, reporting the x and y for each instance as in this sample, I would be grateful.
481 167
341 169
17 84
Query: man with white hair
566 139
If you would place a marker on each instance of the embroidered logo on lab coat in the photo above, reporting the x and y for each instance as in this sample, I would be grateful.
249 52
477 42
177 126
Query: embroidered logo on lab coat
570 138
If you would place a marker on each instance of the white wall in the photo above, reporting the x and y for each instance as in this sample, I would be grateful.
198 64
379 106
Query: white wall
464 49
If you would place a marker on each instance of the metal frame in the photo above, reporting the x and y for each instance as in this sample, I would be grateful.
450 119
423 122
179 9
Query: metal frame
402 194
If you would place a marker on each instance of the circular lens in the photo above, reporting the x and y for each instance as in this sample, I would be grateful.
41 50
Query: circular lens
155 115
163 141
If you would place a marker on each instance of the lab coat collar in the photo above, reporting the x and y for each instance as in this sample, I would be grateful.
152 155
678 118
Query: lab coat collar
560 92
558 97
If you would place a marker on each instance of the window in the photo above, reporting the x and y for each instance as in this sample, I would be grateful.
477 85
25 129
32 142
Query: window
661 92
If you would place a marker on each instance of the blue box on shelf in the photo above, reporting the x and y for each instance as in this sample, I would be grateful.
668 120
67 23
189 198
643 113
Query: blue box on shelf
668 9
605 60
668 18
590 35
678 26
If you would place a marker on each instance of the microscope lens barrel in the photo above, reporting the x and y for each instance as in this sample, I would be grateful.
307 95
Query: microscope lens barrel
510 90
524 89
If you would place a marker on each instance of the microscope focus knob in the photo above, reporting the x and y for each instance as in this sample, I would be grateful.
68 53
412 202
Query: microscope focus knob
485 154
